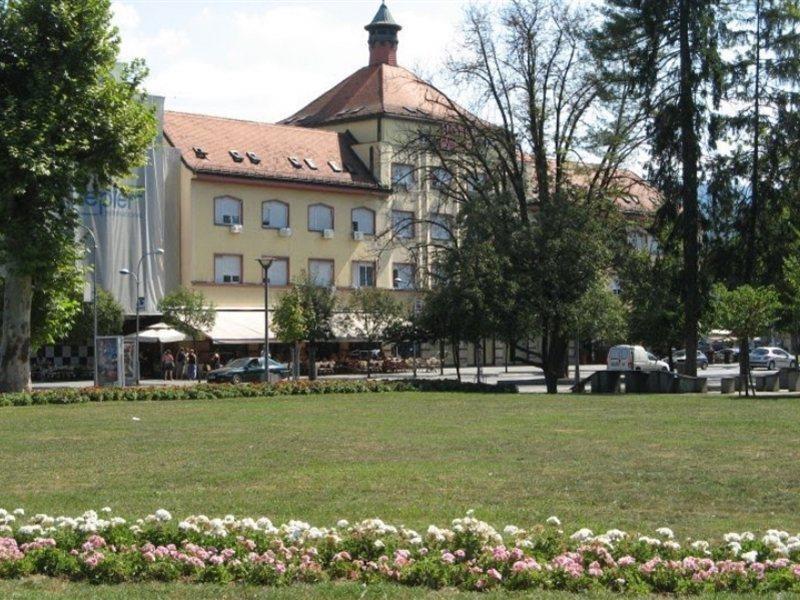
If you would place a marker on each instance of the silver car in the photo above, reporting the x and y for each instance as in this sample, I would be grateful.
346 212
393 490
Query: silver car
771 358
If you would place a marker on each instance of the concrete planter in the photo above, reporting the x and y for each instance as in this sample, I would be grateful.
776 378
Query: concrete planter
636 382
789 379
661 382
692 385
606 382
730 385
768 383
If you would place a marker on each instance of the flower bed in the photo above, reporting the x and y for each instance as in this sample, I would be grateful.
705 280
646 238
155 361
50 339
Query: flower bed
320 386
470 554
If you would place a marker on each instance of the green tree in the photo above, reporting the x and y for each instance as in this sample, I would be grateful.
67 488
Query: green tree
110 318
69 118
651 290
318 304
671 47
598 316
290 324
746 311
373 311
188 311
790 301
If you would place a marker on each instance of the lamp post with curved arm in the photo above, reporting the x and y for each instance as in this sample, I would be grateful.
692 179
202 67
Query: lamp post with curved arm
92 235
137 278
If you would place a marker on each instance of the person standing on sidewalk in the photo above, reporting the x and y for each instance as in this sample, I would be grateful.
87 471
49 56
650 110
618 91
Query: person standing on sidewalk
180 361
191 364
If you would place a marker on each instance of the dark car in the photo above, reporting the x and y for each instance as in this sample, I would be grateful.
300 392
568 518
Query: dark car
246 369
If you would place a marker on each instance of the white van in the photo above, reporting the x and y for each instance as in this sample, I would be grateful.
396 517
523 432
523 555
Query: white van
633 358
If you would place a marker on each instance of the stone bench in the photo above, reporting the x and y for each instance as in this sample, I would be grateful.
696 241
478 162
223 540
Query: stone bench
769 382
789 379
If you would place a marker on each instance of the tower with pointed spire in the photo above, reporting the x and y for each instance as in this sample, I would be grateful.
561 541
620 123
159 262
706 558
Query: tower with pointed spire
383 37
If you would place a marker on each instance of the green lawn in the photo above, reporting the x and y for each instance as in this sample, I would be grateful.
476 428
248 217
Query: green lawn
701 465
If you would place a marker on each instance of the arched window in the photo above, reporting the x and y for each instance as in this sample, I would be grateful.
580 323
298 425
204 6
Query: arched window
227 211
363 220
320 217
274 214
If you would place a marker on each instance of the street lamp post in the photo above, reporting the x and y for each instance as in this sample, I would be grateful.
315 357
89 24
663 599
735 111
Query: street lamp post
266 263
91 234
137 278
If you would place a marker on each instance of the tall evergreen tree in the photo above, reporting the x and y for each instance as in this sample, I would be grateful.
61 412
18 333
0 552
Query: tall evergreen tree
751 185
672 47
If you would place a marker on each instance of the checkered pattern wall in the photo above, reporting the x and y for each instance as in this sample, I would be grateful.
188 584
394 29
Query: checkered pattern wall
66 356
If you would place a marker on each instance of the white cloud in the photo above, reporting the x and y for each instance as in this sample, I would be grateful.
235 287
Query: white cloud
126 17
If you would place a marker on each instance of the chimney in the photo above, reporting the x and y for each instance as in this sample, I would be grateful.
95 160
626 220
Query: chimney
383 37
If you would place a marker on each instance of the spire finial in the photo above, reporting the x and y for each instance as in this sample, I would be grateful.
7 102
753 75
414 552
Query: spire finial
383 37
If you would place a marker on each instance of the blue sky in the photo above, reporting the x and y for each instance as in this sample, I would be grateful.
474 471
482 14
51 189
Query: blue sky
265 59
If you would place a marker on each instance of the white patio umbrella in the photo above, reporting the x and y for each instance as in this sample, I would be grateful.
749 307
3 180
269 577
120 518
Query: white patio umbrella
160 333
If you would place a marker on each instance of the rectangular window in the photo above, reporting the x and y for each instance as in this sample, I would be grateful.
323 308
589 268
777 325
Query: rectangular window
403 223
441 226
227 211
320 217
363 274
274 214
403 276
440 178
403 177
278 272
364 221
321 272
228 268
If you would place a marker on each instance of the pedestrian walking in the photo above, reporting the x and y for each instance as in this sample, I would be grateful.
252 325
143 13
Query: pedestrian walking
216 362
180 360
191 366
167 365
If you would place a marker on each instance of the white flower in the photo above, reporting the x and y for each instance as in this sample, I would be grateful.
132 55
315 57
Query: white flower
771 540
671 545
751 556
616 535
379 545
649 541
415 541
553 521
732 537
665 532
582 535
163 515
20 512
106 509
511 530
342 523
700 545
735 547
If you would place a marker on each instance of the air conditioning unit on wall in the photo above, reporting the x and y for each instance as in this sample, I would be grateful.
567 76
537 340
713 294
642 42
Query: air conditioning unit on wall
358 236
236 228
285 232
327 234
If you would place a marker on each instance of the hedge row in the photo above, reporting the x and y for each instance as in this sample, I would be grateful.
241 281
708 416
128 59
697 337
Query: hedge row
250 390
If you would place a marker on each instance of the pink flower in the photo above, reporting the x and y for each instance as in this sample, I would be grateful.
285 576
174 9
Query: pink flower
494 574
595 570
448 558
626 561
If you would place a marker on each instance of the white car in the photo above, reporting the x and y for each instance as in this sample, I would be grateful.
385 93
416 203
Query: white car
633 358
771 358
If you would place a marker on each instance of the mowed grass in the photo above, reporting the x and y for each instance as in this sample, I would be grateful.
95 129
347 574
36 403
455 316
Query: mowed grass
702 465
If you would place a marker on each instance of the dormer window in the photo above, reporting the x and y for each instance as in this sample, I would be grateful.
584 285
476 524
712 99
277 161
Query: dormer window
295 162
254 158
236 156
334 166
199 152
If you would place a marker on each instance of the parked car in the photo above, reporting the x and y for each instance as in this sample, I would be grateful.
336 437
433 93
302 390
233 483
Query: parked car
771 358
633 358
246 369
680 358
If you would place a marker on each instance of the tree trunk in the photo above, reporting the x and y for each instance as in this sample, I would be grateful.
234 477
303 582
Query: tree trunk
553 359
296 361
312 361
478 361
441 357
689 160
15 345
457 359
369 363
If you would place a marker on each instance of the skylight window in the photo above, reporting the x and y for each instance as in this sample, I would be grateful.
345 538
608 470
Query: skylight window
335 166
254 158
295 162
311 164
199 152
236 156
410 109
356 109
